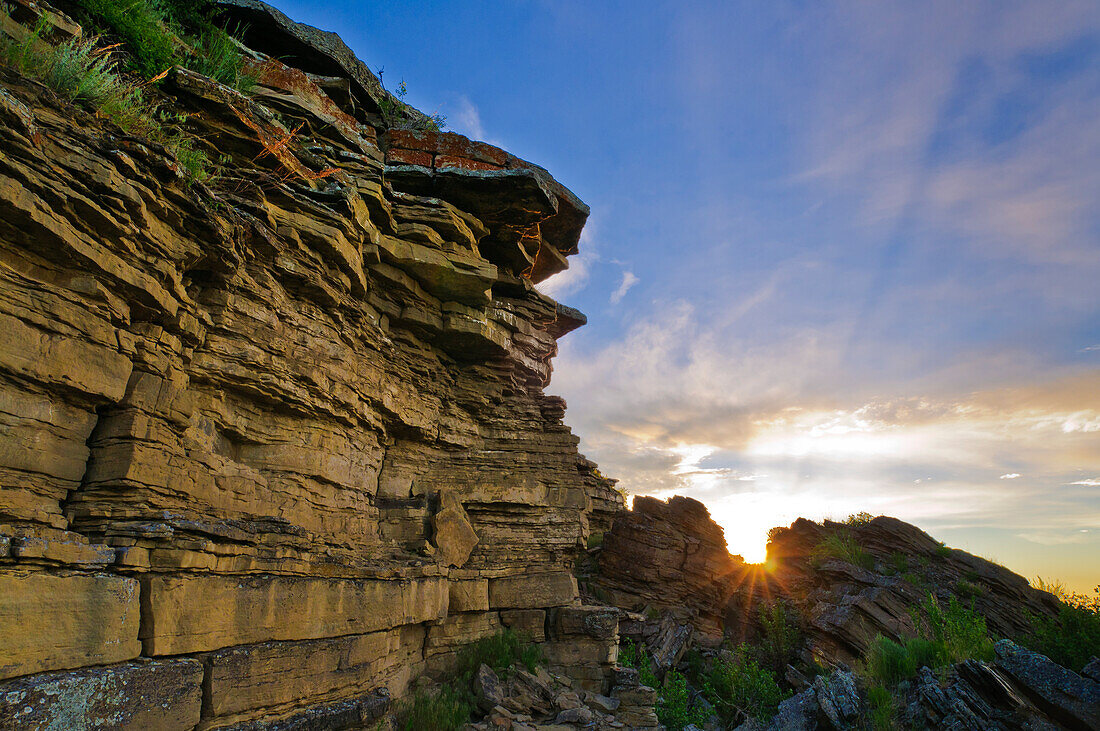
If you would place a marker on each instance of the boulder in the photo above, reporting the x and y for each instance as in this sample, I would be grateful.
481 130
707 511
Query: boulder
1067 697
487 688
451 531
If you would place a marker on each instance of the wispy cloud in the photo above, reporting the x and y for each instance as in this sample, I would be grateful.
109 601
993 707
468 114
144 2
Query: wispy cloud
1010 476
628 281
466 119
1091 482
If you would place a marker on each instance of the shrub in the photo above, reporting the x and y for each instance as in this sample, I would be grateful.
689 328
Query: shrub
674 707
969 590
83 73
943 551
741 686
897 563
842 544
595 540
635 656
1072 637
782 636
141 24
163 33
889 662
499 652
80 72
947 636
881 708
957 632
444 711
215 54
860 518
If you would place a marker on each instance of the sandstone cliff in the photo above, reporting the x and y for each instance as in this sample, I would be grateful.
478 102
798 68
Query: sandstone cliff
278 440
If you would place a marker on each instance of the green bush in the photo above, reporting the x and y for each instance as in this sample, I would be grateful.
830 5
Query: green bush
444 711
141 24
742 686
80 72
499 652
842 544
881 708
889 662
85 74
969 590
860 518
782 636
958 633
943 551
160 34
674 707
946 636
635 656
1072 637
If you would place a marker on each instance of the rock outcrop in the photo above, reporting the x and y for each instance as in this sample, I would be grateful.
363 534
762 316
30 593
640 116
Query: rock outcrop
669 555
276 444
846 606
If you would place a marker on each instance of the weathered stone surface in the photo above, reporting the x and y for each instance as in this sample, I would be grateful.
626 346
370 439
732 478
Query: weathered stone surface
159 694
471 595
1064 695
53 622
488 688
534 590
263 397
361 711
274 676
530 623
193 613
669 555
451 531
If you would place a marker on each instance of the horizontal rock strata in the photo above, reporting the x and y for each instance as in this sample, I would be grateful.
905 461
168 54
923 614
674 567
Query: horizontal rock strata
273 445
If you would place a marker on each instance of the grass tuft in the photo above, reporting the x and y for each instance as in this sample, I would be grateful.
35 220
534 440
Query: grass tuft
443 711
83 72
841 544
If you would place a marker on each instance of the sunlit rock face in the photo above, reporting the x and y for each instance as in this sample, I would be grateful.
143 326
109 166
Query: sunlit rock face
287 427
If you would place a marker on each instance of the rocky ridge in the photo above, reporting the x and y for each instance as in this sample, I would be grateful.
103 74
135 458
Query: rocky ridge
668 560
276 444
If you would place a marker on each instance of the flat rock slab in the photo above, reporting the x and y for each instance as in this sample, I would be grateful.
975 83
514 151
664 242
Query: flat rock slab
56 622
158 694
198 613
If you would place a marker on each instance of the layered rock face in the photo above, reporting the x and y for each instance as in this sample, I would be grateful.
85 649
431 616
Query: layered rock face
847 605
276 442
670 555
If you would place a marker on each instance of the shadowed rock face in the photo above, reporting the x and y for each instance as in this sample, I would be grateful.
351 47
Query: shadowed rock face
846 606
289 424
669 555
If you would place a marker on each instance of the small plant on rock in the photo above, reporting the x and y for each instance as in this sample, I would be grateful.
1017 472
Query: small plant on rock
841 544
860 518
674 703
1072 637
442 711
781 635
740 688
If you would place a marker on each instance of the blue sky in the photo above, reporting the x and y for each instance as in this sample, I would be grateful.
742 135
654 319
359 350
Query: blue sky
842 256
